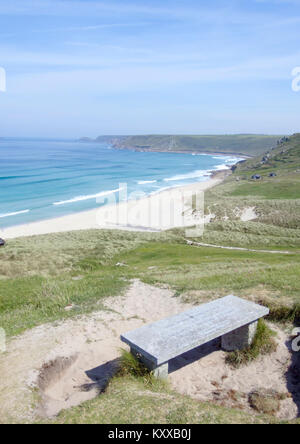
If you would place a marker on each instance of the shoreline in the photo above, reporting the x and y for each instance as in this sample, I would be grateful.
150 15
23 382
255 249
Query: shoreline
145 214
153 150
193 153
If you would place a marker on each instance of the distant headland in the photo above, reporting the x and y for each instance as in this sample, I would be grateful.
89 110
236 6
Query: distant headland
241 144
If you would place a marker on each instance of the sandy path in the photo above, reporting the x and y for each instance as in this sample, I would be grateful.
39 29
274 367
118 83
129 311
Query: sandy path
72 360
201 244
160 211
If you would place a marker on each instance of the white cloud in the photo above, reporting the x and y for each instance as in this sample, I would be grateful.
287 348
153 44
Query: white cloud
95 27
78 8
109 56
126 79
201 13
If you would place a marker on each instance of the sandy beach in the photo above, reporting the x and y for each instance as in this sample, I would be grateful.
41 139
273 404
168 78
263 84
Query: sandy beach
164 210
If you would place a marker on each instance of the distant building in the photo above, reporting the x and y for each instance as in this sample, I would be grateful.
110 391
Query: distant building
283 140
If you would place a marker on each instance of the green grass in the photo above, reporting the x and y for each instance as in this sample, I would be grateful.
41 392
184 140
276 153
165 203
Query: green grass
247 144
28 302
198 273
253 235
268 189
276 200
284 158
41 275
283 312
36 274
130 365
128 400
60 253
216 272
263 344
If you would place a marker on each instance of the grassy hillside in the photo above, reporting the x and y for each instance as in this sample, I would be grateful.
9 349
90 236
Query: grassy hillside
283 158
276 199
40 276
244 144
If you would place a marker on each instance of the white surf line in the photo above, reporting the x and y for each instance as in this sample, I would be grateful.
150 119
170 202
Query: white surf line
87 197
192 175
16 213
201 244
144 182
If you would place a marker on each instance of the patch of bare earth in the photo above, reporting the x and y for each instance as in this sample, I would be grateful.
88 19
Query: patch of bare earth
72 361
248 214
204 375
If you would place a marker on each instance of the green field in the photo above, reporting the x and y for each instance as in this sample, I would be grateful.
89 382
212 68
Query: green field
282 189
38 297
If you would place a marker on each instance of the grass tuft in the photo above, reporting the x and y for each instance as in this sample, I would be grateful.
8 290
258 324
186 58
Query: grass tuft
132 366
263 344
285 313
126 401
266 401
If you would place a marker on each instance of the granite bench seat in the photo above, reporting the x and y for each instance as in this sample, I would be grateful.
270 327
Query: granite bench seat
231 318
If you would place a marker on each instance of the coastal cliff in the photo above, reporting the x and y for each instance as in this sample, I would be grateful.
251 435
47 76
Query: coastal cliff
241 144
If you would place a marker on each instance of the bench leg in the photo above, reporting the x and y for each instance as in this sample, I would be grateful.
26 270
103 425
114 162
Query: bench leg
160 372
240 338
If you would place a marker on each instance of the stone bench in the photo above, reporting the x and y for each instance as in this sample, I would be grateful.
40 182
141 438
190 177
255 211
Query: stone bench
231 318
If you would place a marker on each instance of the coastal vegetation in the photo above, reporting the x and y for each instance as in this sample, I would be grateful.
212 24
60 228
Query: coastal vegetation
275 196
243 144
263 343
128 401
35 290
43 275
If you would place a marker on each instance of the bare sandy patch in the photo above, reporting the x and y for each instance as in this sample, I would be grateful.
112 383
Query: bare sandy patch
248 214
204 375
72 361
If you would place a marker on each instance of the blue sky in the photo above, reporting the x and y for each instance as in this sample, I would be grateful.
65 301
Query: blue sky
90 67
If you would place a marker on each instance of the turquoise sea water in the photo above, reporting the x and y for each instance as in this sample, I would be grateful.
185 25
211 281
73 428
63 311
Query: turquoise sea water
43 179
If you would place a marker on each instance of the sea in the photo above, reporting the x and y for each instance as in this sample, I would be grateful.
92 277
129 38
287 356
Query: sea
44 179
